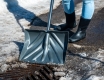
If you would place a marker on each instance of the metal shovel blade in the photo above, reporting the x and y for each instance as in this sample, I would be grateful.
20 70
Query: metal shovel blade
38 49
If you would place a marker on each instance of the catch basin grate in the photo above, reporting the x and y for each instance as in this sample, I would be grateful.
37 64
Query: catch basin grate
32 72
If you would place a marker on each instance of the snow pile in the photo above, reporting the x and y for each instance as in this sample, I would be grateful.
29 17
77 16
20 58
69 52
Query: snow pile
36 6
94 77
15 15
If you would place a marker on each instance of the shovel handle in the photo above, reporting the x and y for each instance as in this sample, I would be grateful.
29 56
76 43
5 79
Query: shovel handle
50 15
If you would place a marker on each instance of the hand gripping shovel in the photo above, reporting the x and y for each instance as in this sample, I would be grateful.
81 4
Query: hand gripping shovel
45 47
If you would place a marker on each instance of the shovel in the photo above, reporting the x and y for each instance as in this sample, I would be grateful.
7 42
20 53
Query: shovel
45 47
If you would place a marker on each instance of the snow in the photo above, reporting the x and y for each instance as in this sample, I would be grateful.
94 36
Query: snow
94 77
15 15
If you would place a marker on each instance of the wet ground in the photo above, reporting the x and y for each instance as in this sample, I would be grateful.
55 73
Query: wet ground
86 57
95 36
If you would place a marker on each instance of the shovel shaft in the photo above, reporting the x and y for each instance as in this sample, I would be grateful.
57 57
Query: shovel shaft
50 15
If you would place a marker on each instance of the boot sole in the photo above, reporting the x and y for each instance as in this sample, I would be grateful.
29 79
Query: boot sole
76 40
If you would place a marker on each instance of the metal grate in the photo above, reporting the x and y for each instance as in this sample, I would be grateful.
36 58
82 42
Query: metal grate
32 72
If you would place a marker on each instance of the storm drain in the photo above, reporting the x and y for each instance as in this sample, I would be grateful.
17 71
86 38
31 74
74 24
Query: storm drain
32 72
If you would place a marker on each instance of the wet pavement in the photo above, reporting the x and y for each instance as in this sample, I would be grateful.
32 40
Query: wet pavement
95 32
86 57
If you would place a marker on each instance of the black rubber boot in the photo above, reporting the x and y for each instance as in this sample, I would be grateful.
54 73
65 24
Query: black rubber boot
81 31
70 22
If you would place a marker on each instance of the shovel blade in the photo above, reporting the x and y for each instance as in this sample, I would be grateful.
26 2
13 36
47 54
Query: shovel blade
35 49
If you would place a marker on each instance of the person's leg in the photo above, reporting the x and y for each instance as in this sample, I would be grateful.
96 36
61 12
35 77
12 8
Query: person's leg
88 9
68 6
87 13
69 11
